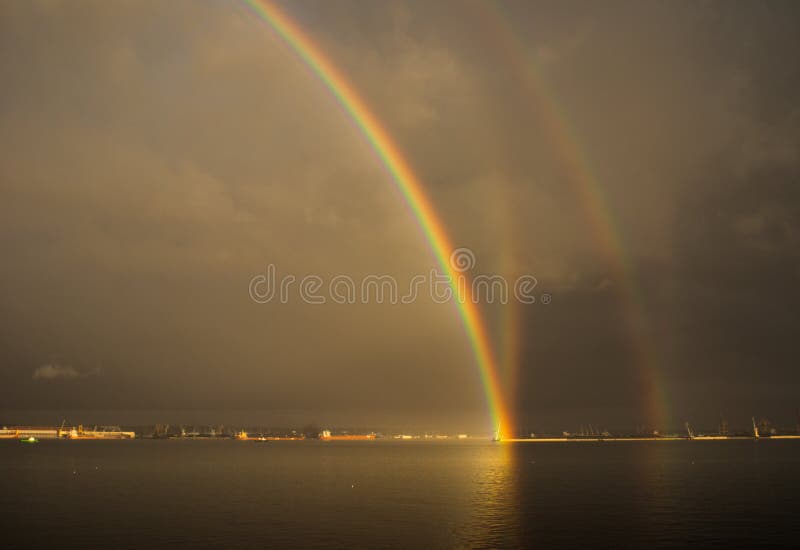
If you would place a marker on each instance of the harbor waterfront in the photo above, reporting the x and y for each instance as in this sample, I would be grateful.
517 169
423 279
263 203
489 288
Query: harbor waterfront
50 432
161 431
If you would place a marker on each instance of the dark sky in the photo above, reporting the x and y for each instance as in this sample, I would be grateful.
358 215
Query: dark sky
155 156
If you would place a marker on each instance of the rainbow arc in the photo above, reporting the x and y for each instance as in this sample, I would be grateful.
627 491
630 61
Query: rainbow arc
409 185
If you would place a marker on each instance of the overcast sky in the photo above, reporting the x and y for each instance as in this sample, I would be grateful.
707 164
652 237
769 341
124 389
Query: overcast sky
155 156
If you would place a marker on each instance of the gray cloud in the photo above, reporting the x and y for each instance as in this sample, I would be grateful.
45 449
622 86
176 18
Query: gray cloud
54 371
154 157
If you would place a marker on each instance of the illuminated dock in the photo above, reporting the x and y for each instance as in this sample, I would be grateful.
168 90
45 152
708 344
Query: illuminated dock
327 436
244 436
626 439
71 433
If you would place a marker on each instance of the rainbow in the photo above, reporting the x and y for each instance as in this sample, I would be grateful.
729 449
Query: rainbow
589 191
408 184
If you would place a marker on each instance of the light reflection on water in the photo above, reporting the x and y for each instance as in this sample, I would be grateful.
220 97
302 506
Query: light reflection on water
385 494
494 519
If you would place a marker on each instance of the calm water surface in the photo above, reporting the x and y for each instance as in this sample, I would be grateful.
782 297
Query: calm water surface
387 494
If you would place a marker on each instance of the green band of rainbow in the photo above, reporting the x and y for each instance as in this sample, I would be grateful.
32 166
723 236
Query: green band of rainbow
405 180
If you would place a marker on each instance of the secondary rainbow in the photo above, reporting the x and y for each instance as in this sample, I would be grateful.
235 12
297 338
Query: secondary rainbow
406 181
608 237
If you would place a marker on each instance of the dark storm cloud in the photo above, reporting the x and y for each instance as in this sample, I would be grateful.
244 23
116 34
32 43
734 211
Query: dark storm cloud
154 157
